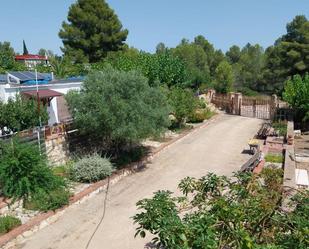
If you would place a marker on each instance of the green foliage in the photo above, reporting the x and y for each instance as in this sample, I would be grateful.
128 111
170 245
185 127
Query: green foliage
163 67
7 60
63 170
233 54
183 104
119 107
249 68
296 93
23 171
200 115
7 223
218 212
195 60
48 200
280 126
63 67
289 55
21 114
91 168
133 154
93 29
224 77
273 158
248 92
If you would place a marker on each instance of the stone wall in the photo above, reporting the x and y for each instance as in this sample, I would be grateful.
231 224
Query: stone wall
57 150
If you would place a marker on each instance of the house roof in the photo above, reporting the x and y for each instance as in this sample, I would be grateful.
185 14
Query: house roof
30 57
43 94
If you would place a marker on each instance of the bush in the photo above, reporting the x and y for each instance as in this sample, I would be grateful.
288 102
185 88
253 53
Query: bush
21 114
280 126
132 155
183 104
272 158
63 170
52 200
120 106
296 93
243 211
7 223
23 171
91 168
200 115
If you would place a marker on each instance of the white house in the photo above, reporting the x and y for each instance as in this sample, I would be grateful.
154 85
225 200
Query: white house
50 91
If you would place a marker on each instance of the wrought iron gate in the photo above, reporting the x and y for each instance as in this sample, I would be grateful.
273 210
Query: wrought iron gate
256 107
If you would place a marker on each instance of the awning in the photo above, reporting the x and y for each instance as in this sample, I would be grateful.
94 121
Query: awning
43 94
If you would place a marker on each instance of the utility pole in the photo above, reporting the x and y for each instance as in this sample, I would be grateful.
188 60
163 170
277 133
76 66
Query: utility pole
38 96
39 111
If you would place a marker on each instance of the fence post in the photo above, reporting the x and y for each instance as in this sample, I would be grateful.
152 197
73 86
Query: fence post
254 108
273 106
231 97
211 93
238 102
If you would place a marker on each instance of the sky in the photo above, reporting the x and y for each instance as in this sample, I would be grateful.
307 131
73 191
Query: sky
223 22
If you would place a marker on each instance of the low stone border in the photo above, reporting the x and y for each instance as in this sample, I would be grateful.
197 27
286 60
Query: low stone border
21 233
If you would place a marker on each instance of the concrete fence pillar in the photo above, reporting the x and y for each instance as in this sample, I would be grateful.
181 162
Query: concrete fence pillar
273 106
238 103
211 93
231 97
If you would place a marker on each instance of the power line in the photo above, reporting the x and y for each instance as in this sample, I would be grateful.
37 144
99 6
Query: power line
103 215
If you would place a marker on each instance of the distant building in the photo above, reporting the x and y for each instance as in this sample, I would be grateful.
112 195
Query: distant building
31 60
51 91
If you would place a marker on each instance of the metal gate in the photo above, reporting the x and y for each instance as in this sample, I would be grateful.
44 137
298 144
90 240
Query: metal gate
256 107
223 101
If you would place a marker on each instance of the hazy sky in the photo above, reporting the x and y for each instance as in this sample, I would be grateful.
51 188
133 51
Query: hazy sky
223 22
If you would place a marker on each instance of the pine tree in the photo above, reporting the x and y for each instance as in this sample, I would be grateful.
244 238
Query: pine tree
25 48
92 30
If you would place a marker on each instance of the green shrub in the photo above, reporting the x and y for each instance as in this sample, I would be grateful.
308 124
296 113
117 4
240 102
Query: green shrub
132 155
272 158
183 104
7 223
23 171
63 170
201 104
91 168
51 200
280 126
200 115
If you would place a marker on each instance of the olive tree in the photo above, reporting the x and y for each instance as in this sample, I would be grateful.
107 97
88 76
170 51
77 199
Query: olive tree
119 106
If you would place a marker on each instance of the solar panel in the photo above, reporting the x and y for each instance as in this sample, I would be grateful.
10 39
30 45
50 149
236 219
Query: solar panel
2 77
26 76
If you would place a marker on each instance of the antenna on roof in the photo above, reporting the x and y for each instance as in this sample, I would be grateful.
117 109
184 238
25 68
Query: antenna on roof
25 48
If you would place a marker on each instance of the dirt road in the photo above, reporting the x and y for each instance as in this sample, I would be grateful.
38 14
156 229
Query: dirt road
216 148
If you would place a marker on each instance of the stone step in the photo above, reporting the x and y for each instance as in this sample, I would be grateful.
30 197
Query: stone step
302 177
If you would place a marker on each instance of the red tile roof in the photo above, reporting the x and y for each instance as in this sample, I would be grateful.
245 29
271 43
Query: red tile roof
30 57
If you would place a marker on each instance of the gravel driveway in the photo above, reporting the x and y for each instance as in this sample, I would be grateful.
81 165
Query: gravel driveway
217 148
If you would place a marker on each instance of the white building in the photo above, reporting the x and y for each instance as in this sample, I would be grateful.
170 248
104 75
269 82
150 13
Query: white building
50 91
